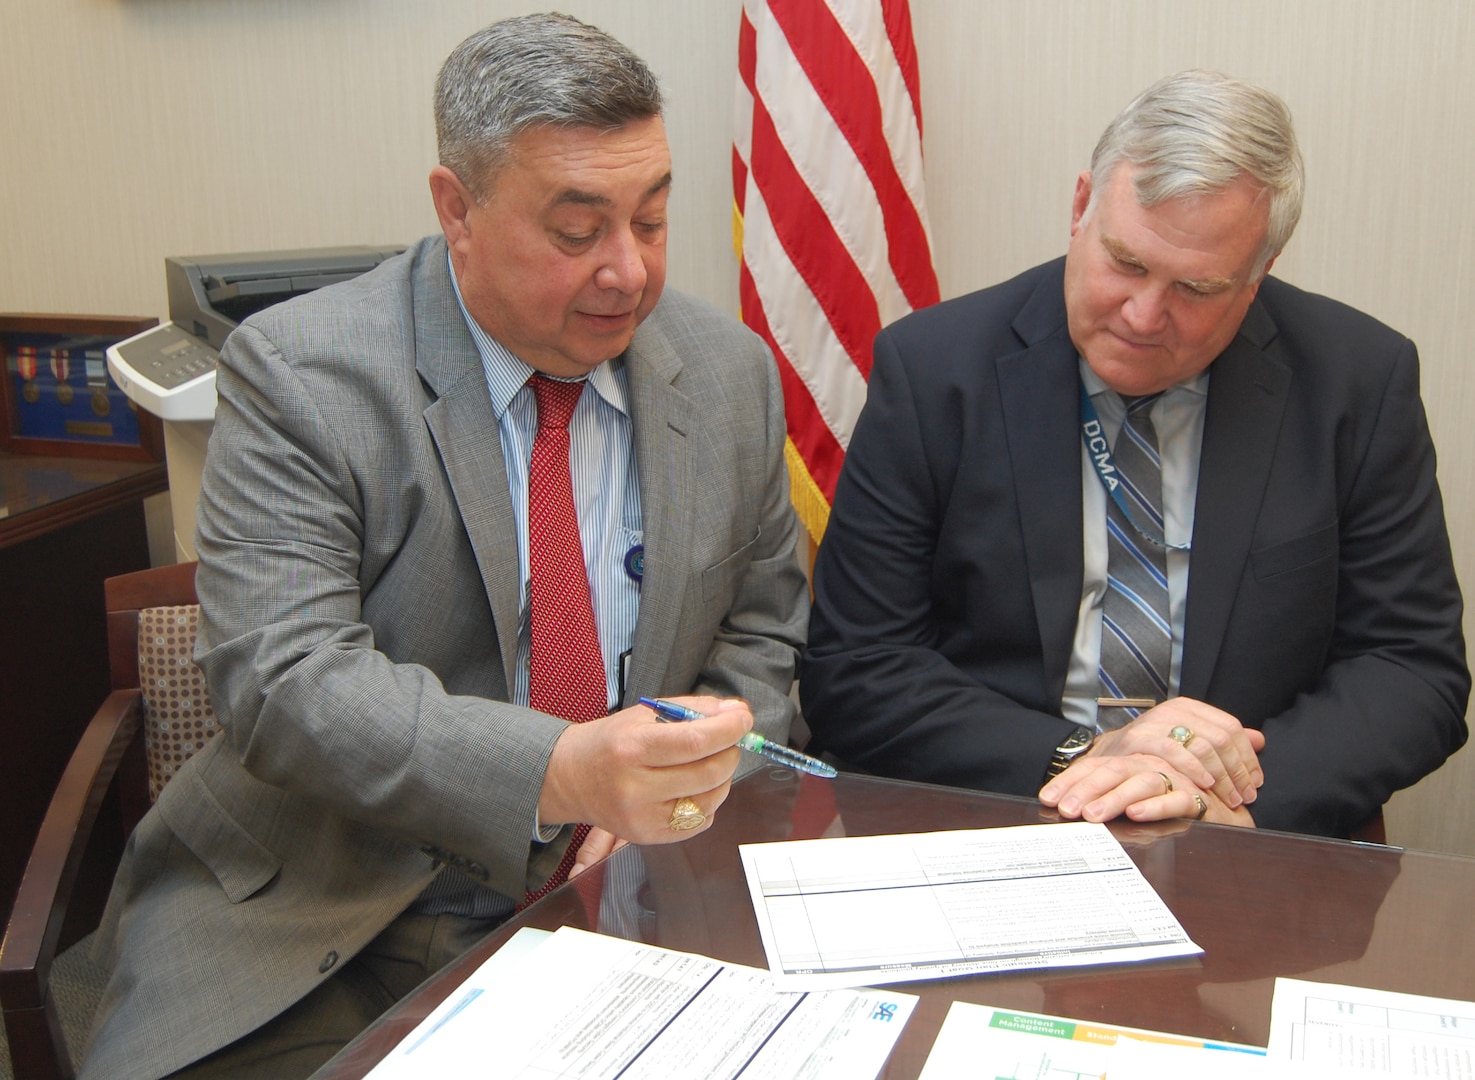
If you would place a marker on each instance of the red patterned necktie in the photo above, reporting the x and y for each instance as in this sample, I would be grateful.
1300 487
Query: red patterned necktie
566 676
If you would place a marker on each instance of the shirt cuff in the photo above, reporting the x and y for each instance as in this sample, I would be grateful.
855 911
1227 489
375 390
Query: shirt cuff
544 834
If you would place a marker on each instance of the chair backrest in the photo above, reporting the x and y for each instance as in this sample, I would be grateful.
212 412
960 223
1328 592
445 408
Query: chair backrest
125 596
152 616
177 717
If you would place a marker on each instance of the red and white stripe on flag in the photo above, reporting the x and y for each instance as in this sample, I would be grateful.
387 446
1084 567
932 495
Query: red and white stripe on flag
830 219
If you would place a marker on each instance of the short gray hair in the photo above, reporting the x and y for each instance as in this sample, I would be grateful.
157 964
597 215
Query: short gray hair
533 71
1196 133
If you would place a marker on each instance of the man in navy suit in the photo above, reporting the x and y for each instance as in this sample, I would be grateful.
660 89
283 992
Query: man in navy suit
1309 655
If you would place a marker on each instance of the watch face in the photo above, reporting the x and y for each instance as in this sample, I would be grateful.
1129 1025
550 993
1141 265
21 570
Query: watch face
1078 739
1075 744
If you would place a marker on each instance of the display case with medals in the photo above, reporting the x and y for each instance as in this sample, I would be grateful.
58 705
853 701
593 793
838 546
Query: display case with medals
57 395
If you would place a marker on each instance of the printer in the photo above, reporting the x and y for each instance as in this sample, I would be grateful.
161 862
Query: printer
170 369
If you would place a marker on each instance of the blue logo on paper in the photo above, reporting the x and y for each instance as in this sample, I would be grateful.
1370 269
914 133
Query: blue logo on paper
886 1010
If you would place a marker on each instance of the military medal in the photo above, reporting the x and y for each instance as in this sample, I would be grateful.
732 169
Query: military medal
97 382
25 362
61 367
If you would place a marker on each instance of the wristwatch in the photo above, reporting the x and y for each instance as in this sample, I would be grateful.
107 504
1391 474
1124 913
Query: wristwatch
1075 744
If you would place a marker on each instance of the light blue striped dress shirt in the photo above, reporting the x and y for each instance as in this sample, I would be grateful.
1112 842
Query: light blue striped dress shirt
606 494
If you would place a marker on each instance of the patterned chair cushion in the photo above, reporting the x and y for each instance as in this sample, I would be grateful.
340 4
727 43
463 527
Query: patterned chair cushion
178 719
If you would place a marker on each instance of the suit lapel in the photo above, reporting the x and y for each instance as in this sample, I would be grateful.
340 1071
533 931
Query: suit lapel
464 427
1247 397
1039 400
661 415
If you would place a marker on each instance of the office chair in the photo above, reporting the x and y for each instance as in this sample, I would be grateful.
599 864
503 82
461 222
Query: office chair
156 716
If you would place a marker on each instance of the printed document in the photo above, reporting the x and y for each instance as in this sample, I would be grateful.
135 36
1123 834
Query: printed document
862 910
980 1041
1316 1030
576 1004
1371 1032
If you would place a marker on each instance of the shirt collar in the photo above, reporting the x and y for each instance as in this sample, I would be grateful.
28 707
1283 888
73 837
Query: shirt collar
506 374
1199 384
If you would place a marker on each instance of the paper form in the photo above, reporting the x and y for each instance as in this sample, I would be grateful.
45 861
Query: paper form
1005 1044
1371 1032
862 910
584 1005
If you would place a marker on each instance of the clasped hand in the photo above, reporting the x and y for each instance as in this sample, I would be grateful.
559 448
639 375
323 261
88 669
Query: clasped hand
1141 771
624 773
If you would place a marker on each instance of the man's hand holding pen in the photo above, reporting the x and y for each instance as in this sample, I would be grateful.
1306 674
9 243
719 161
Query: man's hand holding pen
625 774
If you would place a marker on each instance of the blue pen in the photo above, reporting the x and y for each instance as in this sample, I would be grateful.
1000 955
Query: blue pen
670 711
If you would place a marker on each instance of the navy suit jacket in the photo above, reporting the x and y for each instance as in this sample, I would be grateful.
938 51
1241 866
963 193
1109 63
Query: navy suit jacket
1322 601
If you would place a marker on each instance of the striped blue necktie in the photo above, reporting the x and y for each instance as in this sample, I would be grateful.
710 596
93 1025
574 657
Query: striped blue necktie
1136 632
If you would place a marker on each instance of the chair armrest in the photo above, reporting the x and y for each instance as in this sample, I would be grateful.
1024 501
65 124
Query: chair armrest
40 906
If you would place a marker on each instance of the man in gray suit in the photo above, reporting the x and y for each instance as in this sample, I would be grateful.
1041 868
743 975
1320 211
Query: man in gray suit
382 795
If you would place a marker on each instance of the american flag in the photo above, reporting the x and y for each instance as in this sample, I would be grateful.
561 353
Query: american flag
830 219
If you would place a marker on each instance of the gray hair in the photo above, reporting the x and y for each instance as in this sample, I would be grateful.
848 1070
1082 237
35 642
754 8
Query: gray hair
1196 133
533 71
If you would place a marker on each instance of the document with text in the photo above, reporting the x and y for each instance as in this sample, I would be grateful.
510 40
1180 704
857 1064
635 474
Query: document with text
1371 1032
862 910
981 1041
575 1004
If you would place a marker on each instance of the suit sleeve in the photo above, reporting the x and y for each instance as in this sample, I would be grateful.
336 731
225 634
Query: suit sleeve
896 680
756 647
310 701
1389 705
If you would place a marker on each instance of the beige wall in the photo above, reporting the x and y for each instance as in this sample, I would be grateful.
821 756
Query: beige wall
135 129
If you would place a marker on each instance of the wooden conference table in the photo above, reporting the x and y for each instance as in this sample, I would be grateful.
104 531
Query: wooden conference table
1260 904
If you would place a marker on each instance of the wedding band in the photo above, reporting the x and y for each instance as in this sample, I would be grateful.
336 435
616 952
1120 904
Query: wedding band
1203 807
1167 784
687 816
1181 735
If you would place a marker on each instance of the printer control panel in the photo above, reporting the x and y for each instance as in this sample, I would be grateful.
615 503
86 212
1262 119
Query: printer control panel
167 371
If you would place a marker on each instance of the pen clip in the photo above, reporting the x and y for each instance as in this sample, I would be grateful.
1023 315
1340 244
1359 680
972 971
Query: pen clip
669 711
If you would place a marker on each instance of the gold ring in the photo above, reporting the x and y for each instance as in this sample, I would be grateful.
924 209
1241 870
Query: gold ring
687 816
1181 735
1203 807
1167 784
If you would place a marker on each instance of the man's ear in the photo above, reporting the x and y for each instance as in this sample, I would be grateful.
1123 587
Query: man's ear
453 203
1080 202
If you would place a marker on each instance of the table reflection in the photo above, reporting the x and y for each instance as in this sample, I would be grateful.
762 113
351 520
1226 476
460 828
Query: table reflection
1260 904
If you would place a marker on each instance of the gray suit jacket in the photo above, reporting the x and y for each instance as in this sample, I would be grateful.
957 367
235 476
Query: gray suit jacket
358 579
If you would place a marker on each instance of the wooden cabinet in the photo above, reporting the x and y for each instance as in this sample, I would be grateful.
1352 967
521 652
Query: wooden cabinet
65 525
